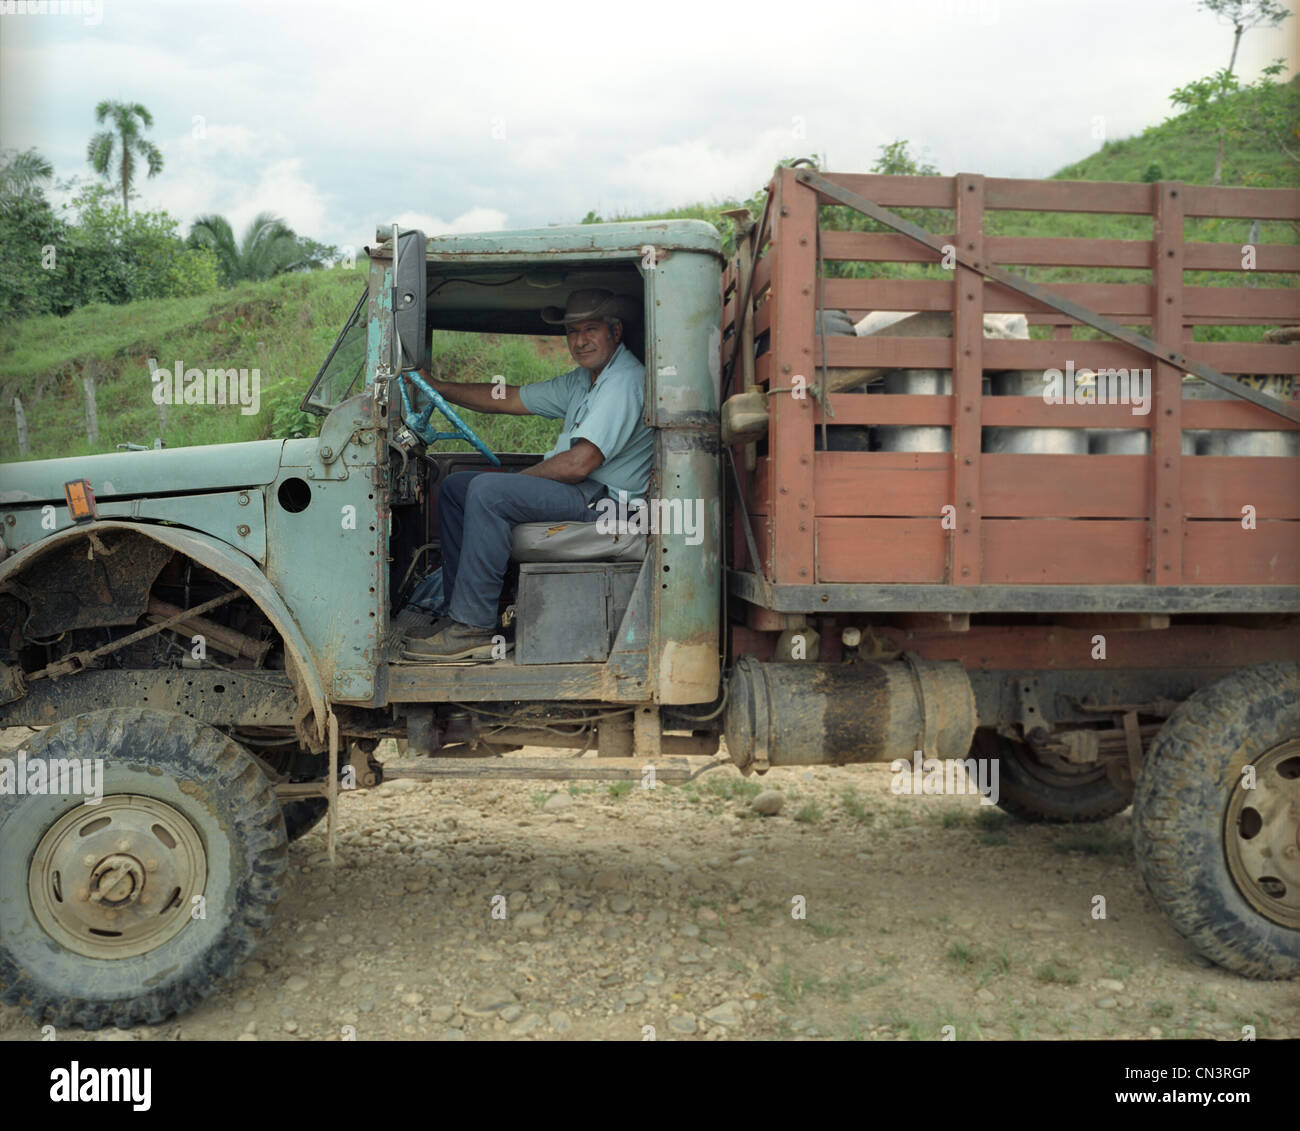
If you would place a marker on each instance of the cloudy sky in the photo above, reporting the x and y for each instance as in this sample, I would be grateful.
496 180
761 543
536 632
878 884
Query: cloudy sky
468 116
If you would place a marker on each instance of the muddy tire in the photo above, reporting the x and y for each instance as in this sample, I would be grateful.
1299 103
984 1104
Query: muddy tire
1034 791
1219 858
135 908
303 815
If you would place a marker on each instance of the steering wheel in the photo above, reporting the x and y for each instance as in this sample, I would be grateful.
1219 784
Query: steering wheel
419 423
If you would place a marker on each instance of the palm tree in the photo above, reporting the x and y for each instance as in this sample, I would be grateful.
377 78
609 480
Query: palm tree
120 146
269 246
20 173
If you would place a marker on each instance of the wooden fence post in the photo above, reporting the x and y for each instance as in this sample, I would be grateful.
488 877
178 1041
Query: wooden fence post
92 410
22 426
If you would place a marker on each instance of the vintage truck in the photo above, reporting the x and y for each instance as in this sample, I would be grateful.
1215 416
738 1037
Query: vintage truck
899 554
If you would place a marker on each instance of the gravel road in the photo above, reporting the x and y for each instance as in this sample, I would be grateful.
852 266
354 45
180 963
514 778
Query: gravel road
511 911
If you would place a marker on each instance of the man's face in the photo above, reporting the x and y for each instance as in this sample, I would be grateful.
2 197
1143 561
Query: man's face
593 342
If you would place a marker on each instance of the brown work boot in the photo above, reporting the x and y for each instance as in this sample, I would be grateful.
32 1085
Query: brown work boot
453 641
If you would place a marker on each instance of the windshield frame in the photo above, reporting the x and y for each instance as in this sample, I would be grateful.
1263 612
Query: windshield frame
319 408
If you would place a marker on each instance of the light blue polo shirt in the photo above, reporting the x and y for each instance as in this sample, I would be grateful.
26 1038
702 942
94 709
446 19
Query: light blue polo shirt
608 414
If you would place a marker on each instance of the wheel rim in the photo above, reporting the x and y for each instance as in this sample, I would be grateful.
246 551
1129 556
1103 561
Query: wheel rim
117 879
1262 835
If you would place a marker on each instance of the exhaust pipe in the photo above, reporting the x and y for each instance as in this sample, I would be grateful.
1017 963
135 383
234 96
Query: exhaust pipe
804 714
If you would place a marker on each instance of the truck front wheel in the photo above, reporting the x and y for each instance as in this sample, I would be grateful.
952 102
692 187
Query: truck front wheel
135 906
1216 821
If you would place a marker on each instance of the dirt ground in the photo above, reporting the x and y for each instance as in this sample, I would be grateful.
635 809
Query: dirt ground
522 911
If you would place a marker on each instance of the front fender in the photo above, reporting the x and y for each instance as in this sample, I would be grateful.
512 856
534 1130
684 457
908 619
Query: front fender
225 561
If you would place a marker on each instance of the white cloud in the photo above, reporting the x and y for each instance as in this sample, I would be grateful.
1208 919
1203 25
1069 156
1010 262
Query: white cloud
337 120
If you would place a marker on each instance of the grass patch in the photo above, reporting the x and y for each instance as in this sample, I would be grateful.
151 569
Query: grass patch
810 813
1096 844
619 788
1057 973
964 956
790 987
853 806
736 789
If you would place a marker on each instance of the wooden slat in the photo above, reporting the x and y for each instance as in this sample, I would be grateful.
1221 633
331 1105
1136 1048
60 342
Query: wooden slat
1111 299
1227 257
1088 354
936 353
863 484
1061 251
1241 203
1068 196
729 308
890 247
1222 553
1018 412
898 191
790 435
881 550
968 299
1165 564
1246 357
1115 300
1254 304
1046 551
1232 416
888 353
888 408
762 276
1040 318
1064 486
1027 251
1219 486
760 499
1034 412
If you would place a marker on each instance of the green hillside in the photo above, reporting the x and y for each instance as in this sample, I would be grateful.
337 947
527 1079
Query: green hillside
285 326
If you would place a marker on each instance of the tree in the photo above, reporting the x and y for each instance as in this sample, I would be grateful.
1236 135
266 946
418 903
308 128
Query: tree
312 254
115 151
23 174
115 258
896 159
268 248
33 265
1264 111
1242 15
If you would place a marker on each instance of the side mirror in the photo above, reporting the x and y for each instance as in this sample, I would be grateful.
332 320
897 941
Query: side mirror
410 299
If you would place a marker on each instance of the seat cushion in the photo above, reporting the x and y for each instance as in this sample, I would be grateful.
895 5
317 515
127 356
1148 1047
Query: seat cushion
573 542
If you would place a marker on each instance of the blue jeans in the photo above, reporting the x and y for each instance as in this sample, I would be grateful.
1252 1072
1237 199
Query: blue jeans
477 510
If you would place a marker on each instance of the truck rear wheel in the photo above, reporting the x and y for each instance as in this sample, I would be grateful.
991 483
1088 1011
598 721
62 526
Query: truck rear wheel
136 907
1216 826
1033 790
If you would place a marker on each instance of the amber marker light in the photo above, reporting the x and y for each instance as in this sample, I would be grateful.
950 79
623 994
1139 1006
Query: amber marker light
81 500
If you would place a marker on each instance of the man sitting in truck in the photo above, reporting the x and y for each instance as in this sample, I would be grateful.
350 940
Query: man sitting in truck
603 449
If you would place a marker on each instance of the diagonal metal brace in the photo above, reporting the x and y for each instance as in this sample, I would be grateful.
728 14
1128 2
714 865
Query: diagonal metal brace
1047 298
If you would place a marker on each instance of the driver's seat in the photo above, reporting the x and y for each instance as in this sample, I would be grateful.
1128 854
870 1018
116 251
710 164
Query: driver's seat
574 542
